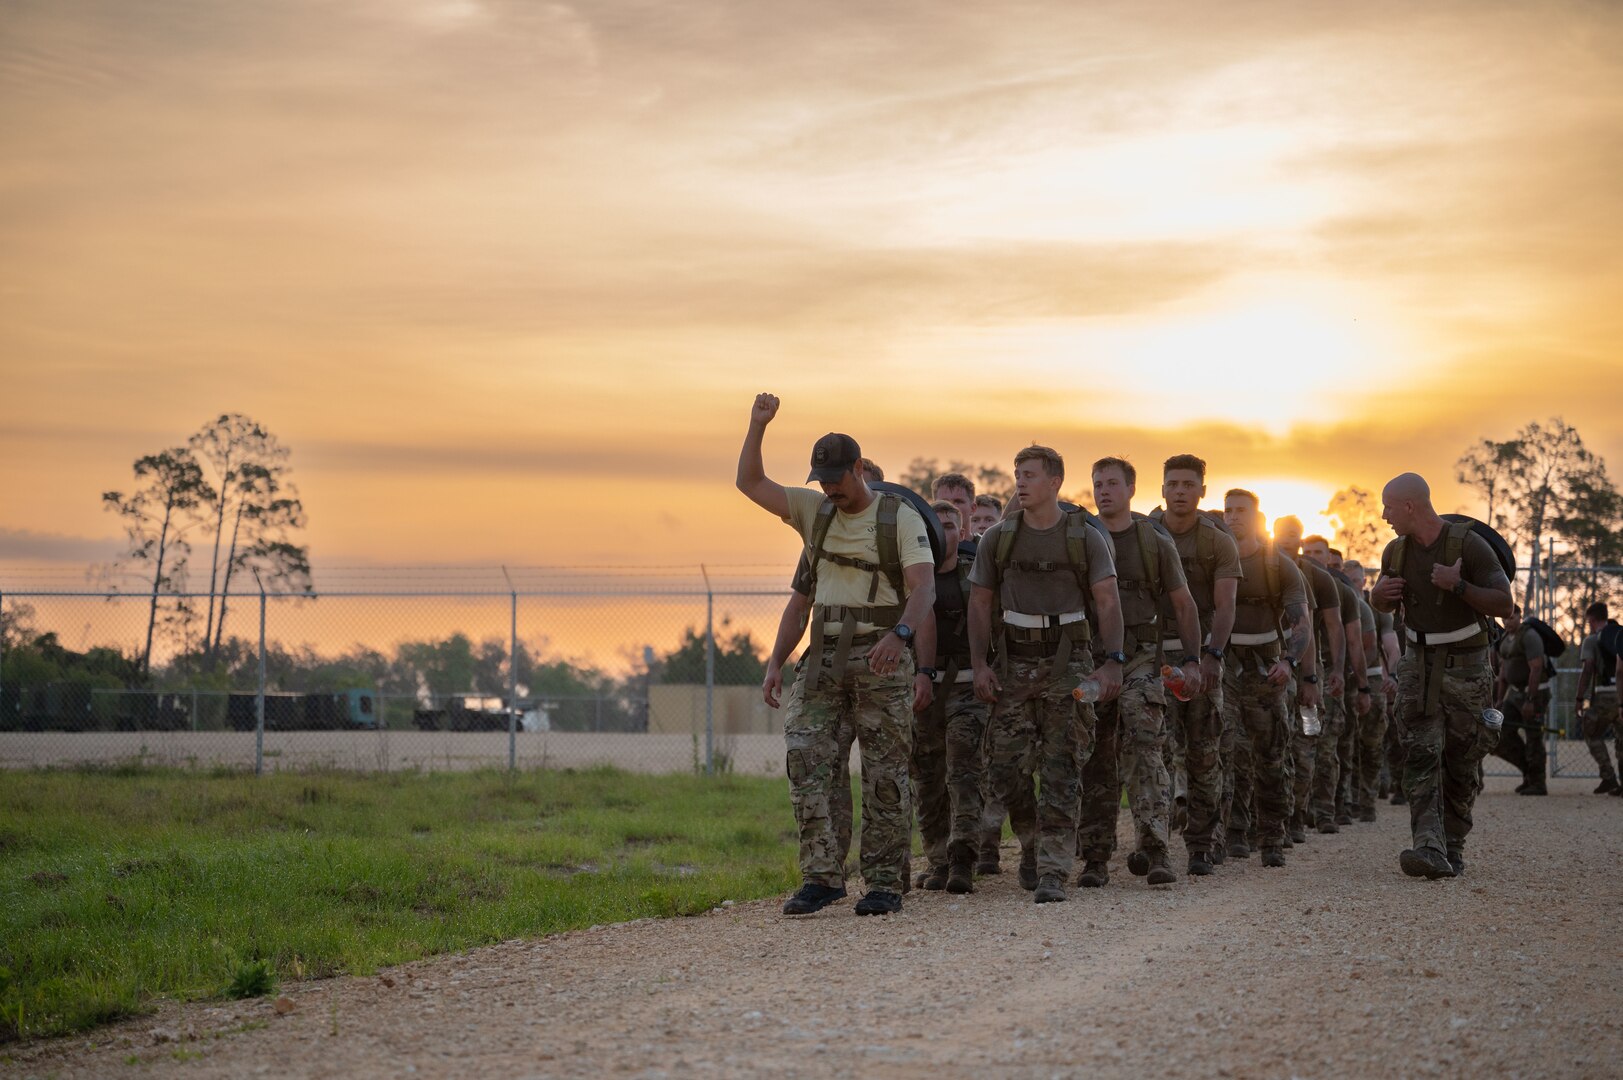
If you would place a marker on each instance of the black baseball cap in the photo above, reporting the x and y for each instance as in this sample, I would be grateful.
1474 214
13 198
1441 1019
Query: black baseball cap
832 456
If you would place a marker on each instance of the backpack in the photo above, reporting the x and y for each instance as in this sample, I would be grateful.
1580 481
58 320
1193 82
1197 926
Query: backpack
890 557
1210 523
1456 527
1553 645
1610 641
1076 548
1501 547
1148 529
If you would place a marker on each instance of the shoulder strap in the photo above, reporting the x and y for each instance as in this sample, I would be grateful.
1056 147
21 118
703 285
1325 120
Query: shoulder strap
1270 573
890 556
1076 547
1206 547
814 550
1005 544
1149 552
1454 542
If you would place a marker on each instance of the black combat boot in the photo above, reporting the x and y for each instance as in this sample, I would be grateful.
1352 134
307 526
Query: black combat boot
934 879
1328 825
1426 863
1028 869
1237 847
960 876
1200 863
812 898
1456 859
1160 870
1138 863
1095 875
879 902
1608 785
1050 890
1272 856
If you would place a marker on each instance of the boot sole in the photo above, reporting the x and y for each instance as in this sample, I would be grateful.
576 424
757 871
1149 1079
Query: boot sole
1045 896
1162 877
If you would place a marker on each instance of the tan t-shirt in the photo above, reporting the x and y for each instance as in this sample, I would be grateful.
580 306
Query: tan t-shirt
1052 592
856 536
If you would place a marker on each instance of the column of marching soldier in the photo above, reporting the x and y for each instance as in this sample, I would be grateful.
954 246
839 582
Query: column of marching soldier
1244 691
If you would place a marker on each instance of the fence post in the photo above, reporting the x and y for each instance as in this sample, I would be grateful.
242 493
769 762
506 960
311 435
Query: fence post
259 704
2 655
512 684
709 674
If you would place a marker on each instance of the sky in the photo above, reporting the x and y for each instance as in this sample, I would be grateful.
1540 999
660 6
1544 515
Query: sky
506 275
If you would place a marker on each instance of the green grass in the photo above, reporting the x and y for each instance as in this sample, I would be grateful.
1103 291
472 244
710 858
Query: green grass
118 887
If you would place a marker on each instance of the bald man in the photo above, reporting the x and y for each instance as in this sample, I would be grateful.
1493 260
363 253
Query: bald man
1448 583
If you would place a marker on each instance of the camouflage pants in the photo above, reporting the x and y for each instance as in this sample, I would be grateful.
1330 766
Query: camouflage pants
1521 742
1327 776
878 712
948 769
1370 737
1256 711
1442 771
1602 714
1130 734
1039 732
1394 742
1199 726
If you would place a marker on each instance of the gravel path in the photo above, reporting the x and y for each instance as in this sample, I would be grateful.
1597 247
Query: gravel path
1335 966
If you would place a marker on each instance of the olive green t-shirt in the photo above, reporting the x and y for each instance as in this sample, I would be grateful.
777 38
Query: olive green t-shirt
1202 586
1258 617
1605 673
1518 651
1427 609
1138 606
1040 592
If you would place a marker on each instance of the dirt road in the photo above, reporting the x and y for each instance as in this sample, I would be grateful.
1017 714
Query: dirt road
1335 966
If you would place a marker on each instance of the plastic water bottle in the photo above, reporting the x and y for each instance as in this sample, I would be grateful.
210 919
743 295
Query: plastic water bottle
1087 690
1310 720
1172 679
1493 719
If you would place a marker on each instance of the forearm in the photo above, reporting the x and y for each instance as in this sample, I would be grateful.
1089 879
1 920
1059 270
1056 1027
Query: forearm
1535 675
924 640
1223 621
1390 649
1299 643
980 626
1495 603
790 627
1188 621
1107 608
1359 663
1335 635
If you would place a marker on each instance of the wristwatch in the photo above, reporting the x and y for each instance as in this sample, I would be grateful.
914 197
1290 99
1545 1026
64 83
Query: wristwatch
1118 656
1311 680
1292 661
903 631
1217 653
1459 588
929 672
1362 689
1190 659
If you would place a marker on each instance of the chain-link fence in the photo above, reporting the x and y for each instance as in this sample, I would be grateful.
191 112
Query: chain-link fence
653 670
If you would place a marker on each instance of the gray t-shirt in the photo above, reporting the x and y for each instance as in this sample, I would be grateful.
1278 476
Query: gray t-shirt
1032 590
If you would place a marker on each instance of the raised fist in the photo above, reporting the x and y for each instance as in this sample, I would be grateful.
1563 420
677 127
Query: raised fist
765 408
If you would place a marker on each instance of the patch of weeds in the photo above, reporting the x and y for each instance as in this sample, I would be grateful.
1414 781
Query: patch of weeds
182 1054
48 879
253 979
130 867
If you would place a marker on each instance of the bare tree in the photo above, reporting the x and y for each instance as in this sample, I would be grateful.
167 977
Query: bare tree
245 459
260 541
156 515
